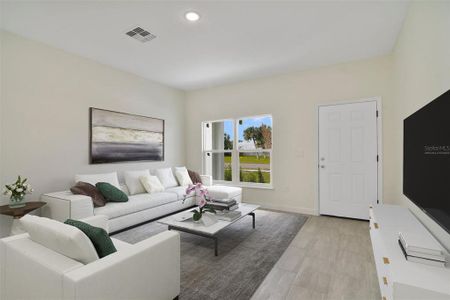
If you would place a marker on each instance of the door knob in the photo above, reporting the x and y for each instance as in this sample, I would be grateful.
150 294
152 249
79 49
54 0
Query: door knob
322 158
322 166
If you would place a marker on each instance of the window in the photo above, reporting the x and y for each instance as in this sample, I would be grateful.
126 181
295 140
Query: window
218 142
255 149
239 151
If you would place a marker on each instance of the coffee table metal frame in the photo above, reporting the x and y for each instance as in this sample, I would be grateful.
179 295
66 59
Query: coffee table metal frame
209 236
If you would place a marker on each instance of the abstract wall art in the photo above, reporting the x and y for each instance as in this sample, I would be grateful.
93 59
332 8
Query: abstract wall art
122 137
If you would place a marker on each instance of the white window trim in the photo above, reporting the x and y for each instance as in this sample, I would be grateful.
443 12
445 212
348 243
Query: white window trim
235 163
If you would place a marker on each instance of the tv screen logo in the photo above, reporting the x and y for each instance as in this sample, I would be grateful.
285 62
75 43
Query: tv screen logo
437 150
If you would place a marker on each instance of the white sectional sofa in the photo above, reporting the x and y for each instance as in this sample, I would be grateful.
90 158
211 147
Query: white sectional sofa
140 208
149 269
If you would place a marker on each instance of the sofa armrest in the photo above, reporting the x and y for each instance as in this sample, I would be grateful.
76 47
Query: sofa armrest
207 180
64 205
31 271
97 221
146 270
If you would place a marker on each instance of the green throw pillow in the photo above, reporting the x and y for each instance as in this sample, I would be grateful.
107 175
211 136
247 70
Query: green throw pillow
98 236
111 193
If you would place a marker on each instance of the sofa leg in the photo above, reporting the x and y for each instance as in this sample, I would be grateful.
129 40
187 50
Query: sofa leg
176 298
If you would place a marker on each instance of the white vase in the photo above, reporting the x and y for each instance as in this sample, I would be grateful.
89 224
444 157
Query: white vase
208 219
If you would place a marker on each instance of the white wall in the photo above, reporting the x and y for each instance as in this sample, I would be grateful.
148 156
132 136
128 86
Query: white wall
292 100
46 95
4 221
421 73
417 72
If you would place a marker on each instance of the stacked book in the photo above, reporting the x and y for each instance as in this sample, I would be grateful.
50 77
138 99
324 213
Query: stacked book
223 204
417 250
229 215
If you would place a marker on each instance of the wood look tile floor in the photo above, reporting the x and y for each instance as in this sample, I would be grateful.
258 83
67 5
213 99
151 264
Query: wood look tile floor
330 258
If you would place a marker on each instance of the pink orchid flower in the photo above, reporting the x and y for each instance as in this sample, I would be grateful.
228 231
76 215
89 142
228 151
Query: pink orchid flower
201 203
200 191
190 189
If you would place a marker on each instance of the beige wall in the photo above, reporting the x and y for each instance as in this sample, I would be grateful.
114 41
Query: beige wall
46 95
292 100
421 72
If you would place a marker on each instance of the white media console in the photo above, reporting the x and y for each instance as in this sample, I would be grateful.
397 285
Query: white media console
399 278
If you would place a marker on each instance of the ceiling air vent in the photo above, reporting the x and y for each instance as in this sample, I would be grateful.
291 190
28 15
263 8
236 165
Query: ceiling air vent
141 35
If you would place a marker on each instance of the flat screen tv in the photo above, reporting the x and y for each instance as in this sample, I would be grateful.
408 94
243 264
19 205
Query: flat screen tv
426 159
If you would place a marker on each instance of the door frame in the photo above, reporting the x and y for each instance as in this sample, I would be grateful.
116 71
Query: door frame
378 101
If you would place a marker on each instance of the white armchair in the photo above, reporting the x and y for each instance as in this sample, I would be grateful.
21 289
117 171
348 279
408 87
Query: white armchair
147 270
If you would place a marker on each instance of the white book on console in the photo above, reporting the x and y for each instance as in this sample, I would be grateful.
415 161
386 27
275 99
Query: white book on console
420 244
429 262
426 256
421 254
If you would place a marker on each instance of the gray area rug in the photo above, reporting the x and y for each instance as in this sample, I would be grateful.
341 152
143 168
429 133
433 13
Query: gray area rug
246 255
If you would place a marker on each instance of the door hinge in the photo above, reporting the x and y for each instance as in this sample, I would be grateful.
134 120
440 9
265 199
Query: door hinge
378 158
378 201
377 113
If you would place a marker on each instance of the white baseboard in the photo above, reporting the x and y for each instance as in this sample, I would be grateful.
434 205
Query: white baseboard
295 209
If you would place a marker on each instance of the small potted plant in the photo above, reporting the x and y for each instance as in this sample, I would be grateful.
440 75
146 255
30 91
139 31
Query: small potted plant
17 191
202 193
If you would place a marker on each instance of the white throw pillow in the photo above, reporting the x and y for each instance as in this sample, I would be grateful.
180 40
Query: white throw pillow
132 181
183 176
151 184
62 238
166 177
110 178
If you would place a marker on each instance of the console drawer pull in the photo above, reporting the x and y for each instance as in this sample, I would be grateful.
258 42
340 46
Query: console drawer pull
384 280
385 260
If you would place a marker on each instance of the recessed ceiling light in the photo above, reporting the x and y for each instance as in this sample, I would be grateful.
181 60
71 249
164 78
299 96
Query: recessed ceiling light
192 16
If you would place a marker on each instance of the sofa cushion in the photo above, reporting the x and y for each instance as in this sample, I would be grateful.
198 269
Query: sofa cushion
132 181
98 236
111 193
217 192
135 203
124 189
166 177
87 189
97 221
121 245
59 237
180 191
182 175
94 178
151 184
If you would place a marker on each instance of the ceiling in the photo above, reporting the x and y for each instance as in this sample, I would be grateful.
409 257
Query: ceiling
233 40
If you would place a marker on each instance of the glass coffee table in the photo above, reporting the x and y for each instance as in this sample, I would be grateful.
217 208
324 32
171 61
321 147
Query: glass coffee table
182 222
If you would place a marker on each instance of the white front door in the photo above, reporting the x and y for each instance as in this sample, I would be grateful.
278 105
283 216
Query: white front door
348 170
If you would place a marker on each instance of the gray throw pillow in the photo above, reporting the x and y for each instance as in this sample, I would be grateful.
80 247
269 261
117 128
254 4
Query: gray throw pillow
195 177
87 189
